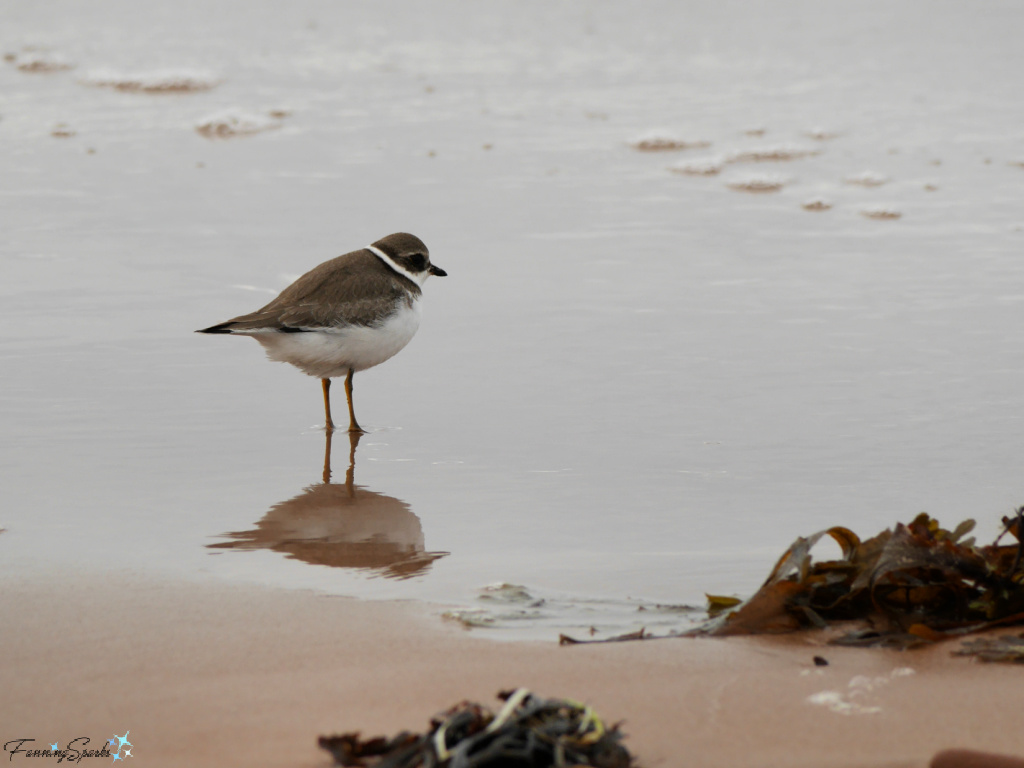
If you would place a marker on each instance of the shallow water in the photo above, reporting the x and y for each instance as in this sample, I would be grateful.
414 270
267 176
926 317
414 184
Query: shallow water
634 385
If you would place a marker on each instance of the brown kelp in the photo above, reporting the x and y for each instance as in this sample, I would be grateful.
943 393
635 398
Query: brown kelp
914 583
527 732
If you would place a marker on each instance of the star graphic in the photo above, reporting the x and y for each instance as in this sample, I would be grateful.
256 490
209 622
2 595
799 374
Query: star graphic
112 741
117 756
53 747
123 740
127 753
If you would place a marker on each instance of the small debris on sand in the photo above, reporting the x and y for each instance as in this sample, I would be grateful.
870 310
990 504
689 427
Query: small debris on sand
758 184
816 204
820 134
158 81
31 60
771 154
229 123
866 179
880 212
708 167
969 758
661 141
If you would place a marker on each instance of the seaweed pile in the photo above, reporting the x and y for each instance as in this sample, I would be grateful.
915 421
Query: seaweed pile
528 732
913 584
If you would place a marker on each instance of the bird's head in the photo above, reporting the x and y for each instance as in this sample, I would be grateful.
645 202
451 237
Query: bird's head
410 254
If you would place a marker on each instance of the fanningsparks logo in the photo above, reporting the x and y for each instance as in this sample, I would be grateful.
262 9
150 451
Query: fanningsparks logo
117 748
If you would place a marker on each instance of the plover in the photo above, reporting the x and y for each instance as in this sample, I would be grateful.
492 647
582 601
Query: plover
346 315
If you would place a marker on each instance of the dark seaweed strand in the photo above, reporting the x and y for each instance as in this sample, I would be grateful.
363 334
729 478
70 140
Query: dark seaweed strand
1020 541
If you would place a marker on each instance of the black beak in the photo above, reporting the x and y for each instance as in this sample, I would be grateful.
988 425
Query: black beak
434 270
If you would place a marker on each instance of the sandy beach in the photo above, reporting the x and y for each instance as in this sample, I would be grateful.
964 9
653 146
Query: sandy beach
238 676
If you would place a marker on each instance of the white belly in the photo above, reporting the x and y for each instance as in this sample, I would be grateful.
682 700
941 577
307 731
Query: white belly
336 351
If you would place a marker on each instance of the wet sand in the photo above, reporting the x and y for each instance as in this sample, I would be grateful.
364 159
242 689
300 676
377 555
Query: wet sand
635 383
229 675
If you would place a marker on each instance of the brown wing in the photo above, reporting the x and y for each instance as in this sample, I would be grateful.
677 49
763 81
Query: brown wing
354 289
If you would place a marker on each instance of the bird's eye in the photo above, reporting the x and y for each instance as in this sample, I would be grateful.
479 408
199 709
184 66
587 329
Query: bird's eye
418 262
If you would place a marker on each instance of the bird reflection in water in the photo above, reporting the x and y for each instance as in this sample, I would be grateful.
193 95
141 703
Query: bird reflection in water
343 526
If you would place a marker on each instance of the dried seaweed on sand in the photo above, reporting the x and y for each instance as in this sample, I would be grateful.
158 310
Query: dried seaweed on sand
528 731
914 584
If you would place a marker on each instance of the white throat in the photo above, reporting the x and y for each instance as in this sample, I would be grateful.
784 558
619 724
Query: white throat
418 279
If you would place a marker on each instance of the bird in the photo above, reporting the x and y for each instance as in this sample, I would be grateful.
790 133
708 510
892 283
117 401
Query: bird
346 315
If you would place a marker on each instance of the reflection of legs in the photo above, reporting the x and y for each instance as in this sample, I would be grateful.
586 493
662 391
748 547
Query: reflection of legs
353 426
350 475
327 455
326 384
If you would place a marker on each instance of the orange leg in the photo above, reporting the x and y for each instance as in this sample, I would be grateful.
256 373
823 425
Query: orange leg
353 425
326 384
